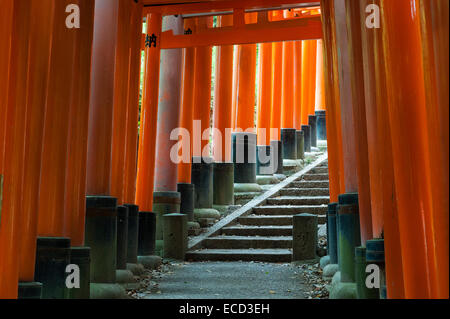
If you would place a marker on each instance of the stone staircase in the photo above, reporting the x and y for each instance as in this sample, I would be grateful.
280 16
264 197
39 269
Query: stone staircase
265 234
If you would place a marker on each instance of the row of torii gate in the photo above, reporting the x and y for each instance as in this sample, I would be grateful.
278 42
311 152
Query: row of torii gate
69 118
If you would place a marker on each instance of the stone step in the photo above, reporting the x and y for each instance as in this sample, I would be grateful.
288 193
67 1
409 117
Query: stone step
299 200
315 177
264 255
244 198
262 220
290 209
320 170
309 184
240 230
246 242
305 192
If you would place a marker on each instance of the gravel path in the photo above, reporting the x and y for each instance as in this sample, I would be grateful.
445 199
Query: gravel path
231 280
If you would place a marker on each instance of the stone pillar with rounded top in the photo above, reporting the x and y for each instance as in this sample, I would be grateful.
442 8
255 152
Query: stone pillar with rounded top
202 178
132 240
164 202
175 236
304 237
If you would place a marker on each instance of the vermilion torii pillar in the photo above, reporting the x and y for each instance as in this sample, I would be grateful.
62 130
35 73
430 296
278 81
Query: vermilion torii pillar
187 101
287 91
78 130
120 103
309 49
202 91
275 118
319 101
40 45
333 104
359 116
223 96
298 85
129 192
435 29
16 15
168 110
149 111
265 93
407 111
101 212
245 85
382 185
53 170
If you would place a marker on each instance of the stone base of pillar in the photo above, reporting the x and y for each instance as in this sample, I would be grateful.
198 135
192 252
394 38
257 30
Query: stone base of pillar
266 180
321 125
324 261
307 138
30 290
107 291
246 187
348 234
81 256
312 122
147 234
223 184
52 257
362 291
193 228
151 261
164 203
245 192
289 140
101 237
122 236
342 290
133 233
329 271
291 167
175 236
187 194
206 216
125 278
280 177
135 268
300 144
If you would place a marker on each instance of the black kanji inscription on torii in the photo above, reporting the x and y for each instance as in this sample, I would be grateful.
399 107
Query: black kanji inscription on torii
149 40
188 31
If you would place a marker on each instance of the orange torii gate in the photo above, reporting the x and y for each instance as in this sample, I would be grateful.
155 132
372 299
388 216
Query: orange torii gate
155 40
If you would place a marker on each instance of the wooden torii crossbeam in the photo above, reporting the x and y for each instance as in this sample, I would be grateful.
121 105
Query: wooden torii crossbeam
297 28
